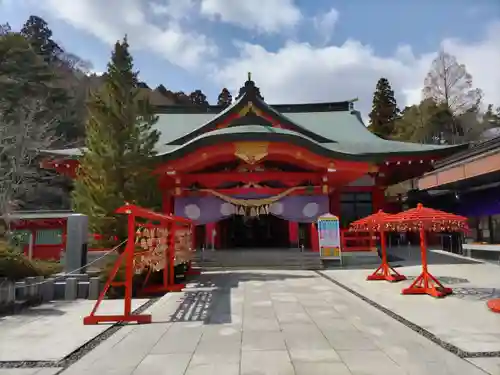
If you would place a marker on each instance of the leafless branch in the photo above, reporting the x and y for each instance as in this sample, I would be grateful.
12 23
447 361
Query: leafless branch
23 133
449 82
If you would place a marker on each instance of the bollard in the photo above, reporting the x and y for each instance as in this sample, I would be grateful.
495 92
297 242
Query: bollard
38 286
10 292
70 289
82 290
30 292
94 288
47 290
3 292
20 291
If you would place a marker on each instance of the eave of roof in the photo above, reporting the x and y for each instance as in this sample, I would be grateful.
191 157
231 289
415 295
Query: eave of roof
344 149
281 108
376 152
480 148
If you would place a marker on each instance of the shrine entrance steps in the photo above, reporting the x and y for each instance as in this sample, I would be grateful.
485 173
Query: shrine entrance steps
286 259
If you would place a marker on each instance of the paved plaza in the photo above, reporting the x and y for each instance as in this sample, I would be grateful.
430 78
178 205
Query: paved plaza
268 322
52 331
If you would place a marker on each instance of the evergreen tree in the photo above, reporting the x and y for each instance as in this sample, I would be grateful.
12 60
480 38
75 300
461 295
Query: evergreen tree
225 98
384 110
491 117
26 119
197 97
162 90
39 35
116 165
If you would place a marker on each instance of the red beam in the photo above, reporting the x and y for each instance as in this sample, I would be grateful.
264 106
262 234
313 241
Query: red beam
262 190
215 179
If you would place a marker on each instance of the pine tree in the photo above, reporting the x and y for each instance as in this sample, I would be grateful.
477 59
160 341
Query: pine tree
116 165
225 98
384 110
39 35
197 97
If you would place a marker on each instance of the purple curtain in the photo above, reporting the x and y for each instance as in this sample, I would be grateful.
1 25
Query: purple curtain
203 210
480 203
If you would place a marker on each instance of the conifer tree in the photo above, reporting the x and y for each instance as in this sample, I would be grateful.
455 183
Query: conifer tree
120 141
384 110
39 35
197 97
225 98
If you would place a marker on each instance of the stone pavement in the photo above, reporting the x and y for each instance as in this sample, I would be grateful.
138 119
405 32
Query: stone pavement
461 319
30 371
268 322
51 331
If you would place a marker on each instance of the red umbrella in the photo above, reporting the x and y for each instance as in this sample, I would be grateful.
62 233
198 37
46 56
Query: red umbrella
377 223
424 219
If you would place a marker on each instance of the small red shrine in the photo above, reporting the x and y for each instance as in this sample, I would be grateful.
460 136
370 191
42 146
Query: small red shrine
257 175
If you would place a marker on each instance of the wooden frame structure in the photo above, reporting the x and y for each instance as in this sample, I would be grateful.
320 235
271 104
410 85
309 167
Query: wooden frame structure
162 256
424 219
376 223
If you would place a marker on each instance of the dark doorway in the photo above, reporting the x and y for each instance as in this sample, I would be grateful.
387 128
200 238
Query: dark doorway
265 231
200 236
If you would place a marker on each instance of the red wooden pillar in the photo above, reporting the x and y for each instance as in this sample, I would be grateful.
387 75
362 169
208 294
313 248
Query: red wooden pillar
167 203
314 238
293 234
218 235
334 199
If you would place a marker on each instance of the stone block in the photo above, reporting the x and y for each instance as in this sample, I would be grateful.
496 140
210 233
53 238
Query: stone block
59 289
30 287
94 288
70 289
10 295
38 285
83 290
21 291
48 290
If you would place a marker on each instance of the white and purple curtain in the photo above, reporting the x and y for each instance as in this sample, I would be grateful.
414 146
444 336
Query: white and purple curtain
203 210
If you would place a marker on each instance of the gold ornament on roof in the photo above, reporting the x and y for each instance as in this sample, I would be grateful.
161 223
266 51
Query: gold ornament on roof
251 152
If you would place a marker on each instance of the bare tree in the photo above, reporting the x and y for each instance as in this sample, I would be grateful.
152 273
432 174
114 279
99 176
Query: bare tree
448 82
23 133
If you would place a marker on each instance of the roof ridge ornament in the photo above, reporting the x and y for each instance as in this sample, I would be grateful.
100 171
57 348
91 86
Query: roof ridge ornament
250 89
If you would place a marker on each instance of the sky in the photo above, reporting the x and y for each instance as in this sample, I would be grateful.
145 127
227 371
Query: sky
298 51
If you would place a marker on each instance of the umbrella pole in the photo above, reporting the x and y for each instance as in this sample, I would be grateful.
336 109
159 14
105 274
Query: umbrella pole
426 283
385 271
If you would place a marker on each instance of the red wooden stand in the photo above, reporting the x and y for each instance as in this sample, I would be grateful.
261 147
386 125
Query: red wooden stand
168 284
385 271
494 305
127 257
425 283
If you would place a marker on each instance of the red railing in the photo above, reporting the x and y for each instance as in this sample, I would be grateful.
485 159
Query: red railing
357 241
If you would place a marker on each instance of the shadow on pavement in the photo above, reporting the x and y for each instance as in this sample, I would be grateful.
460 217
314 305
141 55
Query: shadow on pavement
209 299
410 256
476 294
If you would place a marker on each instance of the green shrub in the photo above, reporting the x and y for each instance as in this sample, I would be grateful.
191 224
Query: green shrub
14 265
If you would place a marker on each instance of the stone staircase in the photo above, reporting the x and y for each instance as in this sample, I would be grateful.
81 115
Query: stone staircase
257 259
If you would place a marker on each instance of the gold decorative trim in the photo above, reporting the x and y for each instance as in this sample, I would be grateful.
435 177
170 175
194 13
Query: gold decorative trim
244 111
251 152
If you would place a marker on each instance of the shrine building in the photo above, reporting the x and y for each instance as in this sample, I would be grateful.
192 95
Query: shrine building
257 175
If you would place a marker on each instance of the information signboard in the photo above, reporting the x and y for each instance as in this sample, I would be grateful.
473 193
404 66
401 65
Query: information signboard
329 237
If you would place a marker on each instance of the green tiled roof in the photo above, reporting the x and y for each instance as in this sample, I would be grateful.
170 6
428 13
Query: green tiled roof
330 128
356 148
345 129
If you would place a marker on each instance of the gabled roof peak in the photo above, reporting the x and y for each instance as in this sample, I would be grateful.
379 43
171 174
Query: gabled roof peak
249 89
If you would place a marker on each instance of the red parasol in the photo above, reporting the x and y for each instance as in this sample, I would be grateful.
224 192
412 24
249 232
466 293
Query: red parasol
424 219
377 223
